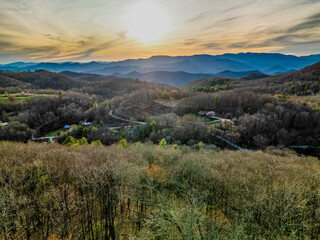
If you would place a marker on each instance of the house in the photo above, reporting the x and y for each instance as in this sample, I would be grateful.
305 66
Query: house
87 124
210 114
67 126
227 123
3 124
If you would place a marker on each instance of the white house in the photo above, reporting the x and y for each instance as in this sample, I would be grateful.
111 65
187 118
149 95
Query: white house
85 123
3 124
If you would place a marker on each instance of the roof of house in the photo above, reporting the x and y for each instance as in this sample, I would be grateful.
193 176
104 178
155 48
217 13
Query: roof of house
211 113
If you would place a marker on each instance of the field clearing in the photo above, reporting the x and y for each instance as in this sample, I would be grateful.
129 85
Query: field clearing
19 97
168 102
55 132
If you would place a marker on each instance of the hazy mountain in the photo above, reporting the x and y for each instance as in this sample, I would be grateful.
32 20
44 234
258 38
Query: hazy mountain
185 67
172 78
115 69
262 61
21 64
275 69
67 66
179 78
315 57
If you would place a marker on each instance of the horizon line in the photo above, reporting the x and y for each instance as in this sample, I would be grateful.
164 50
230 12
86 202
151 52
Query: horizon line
144 58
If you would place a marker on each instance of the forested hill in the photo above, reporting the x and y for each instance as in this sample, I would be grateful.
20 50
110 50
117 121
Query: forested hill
40 79
105 86
303 82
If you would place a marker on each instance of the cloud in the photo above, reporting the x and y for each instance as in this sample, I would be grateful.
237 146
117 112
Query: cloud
198 17
88 30
237 7
190 41
308 23
211 45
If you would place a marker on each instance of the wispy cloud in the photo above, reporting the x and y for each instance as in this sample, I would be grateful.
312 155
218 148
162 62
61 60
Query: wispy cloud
308 23
94 29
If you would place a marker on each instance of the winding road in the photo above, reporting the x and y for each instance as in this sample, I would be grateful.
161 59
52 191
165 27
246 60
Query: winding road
125 120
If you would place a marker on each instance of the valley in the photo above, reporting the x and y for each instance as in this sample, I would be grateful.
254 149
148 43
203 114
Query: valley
159 120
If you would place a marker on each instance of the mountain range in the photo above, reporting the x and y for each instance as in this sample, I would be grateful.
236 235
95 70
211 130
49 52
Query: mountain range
181 69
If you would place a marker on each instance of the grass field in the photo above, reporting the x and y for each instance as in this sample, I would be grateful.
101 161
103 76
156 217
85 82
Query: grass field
20 97
55 132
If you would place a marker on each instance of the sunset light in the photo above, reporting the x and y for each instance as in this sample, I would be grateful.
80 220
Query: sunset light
147 22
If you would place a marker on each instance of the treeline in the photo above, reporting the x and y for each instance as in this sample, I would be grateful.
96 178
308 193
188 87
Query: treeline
148 192
214 85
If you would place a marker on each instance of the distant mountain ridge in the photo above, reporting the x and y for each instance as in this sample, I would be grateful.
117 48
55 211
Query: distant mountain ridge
180 78
268 63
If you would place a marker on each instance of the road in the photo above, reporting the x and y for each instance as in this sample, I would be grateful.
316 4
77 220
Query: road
125 120
44 138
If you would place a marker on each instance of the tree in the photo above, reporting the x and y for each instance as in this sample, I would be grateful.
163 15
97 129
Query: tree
71 141
83 141
95 105
141 134
292 88
11 98
153 124
163 142
304 86
165 94
106 103
123 143
96 142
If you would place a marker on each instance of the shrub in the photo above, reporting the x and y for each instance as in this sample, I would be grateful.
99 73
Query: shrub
163 142
123 143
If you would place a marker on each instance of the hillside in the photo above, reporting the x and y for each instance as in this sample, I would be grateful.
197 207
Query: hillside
205 82
254 75
106 86
42 79
227 190
10 82
302 82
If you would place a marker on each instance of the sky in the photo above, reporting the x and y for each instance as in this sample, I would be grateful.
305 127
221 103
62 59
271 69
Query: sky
111 30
